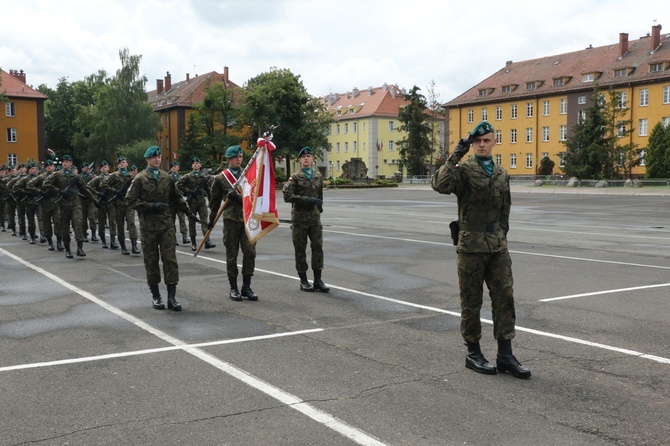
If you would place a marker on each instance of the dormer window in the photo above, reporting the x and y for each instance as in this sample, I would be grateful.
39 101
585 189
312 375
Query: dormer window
485 91
658 66
531 85
509 88
621 72
560 81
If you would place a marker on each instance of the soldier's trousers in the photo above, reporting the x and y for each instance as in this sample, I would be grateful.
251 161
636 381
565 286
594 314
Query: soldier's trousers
2 212
300 232
125 216
31 214
107 217
70 215
182 222
496 271
21 215
88 212
199 209
10 213
51 221
160 246
234 237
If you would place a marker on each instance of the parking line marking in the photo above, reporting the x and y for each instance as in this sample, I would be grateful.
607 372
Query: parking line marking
596 293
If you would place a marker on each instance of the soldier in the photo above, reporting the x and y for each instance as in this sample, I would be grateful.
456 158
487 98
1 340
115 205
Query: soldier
118 184
10 200
20 204
174 172
88 209
152 193
484 201
304 190
28 198
47 208
195 186
234 233
68 185
106 216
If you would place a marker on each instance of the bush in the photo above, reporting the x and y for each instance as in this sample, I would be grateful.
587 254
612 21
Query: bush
340 180
384 182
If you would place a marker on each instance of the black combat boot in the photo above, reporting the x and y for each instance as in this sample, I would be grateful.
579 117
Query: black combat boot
59 243
33 237
24 236
156 297
304 283
172 301
68 253
318 283
86 236
104 240
122 243
476 361
184 238
93 237
234 292
112 242
80 249
133 244
43 239
194 244
51 244
506 361
209 244
246 288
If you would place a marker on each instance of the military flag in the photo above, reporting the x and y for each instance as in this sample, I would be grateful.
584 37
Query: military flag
259 193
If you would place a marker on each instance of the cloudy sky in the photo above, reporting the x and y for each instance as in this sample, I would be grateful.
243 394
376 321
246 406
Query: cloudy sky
333 46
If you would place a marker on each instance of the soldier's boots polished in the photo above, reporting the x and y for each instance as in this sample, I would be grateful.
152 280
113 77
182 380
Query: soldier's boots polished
24 237
112 242
43 239
33 238
133 244
51 244
124 250
86 236
304 283
93 237
318 283
157 300
246 288
184 238
80 249
234 291
68 253
194 244
209 244
507 363
104 241
59 244
475 360
172 300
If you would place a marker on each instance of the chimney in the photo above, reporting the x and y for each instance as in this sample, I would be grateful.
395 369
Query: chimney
623 44
188 77
168 82
655 37
159 86
20 75
225 75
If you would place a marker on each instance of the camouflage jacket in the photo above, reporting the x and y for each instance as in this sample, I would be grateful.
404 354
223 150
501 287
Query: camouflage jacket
483 204
297 191
116 185
195 186
68 187
146 190
220 189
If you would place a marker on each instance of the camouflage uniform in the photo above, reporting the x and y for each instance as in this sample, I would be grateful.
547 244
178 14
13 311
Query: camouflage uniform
483 213
19 204
28 198
4 196
195 186
10 203
106 216
119 182
48 210
88 210
183 229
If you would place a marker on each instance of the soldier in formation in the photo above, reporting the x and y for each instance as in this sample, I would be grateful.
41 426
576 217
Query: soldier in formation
196 187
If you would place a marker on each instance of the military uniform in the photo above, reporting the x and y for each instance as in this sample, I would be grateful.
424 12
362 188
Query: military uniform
195 186
28 199
304 190
88 209
106 216
48 211
484 202
183 229
153 193
19 203
10 202
117 184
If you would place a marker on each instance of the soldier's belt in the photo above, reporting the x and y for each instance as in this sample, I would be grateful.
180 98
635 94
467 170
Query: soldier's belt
488 227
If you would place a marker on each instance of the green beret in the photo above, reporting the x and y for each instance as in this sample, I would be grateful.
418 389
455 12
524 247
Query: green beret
59 167
233 151
195 159
119 159
174 163
104 163
21 165
32 164
305 151
481 129
49 162
152 151
66 158
3 168
133 167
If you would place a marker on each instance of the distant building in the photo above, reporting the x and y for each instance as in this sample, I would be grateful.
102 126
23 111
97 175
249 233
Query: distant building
175 102
366 126
22 122
534 104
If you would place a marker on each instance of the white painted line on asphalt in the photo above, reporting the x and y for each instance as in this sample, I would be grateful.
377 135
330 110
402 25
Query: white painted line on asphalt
282 396
596 293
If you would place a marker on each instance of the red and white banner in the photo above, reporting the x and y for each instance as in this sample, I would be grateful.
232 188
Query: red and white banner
258 193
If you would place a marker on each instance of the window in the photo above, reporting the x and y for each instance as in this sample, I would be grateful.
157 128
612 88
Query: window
655 67
563 107
485 91
10 109
346 147
581 100
529 134
11 135
471 115
545 108
391 126
641 157
531 85
562 132
642 125
12 159
512 136
498 159
621 130
529 160
512 161
506 88
167 120
644 97
330 129
346 128
338 129
498 113
337 149
545 133
666 121
513 111
581 116
529 109
338 164
355 146
498 136
623 99
559 82
391 146
545 154
485 114
621 72
666 95
351 111
590 77
354 127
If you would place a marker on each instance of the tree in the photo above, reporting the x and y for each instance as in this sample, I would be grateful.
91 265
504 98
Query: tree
416 146
620 158
437 111
657 156
546 166
190 145
278 97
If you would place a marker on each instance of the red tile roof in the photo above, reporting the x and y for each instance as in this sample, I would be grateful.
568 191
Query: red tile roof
602 61
185 93
14 87
381 101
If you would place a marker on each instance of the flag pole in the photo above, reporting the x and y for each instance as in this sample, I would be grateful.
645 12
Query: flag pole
225 203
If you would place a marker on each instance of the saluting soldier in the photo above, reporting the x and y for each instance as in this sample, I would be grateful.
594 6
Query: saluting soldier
119 182
484 201
174 173
304 190
68 185
195 186
153 193
234 233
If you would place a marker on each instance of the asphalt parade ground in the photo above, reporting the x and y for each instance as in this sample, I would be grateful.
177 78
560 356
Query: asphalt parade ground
85 360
